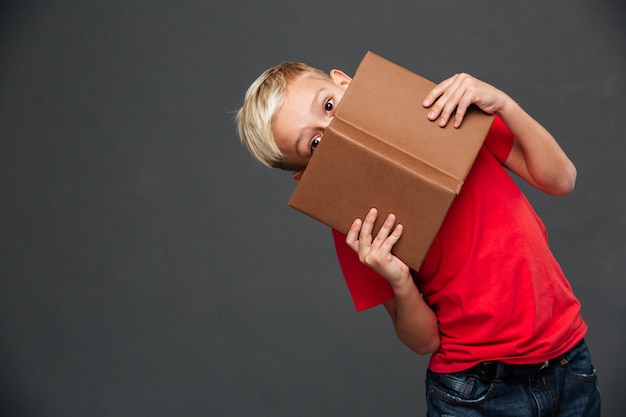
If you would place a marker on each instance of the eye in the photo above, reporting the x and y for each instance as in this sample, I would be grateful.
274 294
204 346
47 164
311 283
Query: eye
329 105
316 141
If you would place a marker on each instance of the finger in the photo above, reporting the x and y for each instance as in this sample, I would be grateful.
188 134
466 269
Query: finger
385 230
436 92
461 109
454 96
446 103
352 238
392 239
365 236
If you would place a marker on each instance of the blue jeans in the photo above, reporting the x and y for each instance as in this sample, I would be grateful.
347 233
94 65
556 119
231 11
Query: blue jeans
567 388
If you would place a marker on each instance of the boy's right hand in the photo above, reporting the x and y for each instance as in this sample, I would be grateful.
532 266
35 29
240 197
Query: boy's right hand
375 252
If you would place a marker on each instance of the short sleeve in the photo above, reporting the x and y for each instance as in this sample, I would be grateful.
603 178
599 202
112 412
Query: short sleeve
499 140
367 288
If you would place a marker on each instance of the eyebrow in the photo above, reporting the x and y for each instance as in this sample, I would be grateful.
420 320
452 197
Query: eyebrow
316 98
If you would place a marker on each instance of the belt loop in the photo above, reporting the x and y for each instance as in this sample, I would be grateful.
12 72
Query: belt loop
500 370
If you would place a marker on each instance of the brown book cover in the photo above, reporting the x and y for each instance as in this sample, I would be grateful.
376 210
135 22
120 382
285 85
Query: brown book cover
381 151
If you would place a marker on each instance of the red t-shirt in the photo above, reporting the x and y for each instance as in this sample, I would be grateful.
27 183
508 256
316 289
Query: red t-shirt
489 275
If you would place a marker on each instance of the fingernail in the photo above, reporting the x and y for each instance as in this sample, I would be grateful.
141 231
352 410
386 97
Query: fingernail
426 102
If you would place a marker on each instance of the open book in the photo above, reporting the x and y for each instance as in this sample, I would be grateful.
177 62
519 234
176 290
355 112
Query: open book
381 151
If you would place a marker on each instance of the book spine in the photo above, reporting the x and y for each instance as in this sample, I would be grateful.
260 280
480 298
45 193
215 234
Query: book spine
396 156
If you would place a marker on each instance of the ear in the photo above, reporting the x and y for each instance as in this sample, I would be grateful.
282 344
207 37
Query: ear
297 175
340 78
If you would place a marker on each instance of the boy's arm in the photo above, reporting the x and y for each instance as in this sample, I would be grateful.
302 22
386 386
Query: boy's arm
536 156
415 323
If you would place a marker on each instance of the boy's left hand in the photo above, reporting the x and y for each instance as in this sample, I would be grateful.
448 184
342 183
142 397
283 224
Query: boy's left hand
459 92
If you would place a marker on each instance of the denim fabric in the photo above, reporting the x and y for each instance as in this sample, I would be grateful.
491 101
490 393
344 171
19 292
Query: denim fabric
568 388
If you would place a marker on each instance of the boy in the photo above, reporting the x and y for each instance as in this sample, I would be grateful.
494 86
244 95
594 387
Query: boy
490 302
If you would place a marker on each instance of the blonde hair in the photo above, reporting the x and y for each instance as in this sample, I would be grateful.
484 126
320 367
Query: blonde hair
264 98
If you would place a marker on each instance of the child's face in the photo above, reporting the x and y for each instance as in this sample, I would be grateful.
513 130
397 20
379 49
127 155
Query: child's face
308 108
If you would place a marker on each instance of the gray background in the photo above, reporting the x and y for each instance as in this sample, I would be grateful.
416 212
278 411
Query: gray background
149 267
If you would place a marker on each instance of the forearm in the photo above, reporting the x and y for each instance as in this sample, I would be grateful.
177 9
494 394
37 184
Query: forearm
415 323
536 157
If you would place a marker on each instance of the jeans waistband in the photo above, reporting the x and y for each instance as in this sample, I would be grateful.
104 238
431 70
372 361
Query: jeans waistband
496 370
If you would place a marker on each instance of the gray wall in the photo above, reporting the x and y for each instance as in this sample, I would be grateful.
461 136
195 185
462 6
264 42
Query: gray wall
149 267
